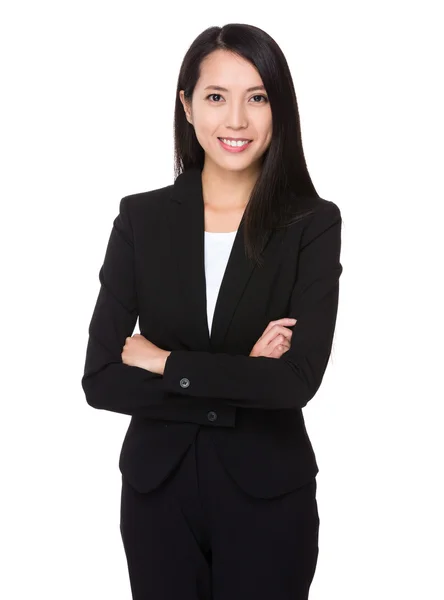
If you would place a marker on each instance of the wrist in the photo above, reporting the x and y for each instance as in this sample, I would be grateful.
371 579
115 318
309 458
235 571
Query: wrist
165 356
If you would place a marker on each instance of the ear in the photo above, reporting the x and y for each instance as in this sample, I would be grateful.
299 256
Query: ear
186 106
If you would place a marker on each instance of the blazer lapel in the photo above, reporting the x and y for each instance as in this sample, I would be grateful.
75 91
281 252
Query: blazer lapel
187 223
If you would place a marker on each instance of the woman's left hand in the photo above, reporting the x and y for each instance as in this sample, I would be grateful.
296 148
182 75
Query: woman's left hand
140 352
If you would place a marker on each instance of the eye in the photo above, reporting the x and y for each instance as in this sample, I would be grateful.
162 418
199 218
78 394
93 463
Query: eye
214 95
255 96
260 96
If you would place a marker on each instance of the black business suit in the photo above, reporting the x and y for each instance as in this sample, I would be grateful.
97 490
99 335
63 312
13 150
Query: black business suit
248 407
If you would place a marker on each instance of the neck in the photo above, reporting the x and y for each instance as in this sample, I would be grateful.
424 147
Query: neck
225 189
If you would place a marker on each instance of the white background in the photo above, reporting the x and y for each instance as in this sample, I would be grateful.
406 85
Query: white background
86 118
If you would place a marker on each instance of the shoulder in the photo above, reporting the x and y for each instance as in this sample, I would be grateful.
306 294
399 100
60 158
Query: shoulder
318 207
313 217
326 210
326 217
309 211
142 203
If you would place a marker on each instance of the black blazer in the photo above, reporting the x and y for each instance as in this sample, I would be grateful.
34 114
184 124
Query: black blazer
154 270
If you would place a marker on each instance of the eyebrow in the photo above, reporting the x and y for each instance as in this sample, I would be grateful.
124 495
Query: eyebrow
222 89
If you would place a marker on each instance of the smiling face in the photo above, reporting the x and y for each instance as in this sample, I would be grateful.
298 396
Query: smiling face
237 112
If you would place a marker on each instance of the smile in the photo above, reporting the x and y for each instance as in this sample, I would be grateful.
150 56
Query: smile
233 146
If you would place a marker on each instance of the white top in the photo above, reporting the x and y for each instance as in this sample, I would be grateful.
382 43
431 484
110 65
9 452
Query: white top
217 252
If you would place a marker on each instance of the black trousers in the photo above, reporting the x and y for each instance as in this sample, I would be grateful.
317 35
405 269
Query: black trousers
199 536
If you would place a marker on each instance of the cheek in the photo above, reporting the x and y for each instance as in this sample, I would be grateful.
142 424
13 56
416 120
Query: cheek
206 131
264 128
268 134
269 125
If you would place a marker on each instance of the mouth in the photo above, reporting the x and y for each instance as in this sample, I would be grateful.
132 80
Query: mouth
231 139
235 145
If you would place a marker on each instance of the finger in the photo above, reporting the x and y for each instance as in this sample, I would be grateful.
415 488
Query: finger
286 321
277 328
276 342
279 350
274 331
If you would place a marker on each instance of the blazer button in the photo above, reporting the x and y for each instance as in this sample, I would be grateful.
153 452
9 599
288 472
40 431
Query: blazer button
184 382
212 416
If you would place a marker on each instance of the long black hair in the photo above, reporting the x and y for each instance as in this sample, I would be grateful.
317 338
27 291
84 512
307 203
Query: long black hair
284 178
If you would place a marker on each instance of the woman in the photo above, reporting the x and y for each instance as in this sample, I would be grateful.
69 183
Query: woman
233 272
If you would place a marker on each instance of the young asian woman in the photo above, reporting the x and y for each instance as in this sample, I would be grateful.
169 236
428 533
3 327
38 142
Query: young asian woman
233 272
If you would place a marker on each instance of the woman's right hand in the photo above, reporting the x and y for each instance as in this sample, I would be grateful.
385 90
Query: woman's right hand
275 340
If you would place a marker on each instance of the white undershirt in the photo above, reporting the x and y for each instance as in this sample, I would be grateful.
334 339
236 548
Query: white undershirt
217 252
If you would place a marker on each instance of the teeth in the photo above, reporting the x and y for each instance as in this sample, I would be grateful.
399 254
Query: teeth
234 143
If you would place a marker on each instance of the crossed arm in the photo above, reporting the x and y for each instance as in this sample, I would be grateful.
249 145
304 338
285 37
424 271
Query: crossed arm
243 381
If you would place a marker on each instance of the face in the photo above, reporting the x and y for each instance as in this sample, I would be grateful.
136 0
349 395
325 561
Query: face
232 113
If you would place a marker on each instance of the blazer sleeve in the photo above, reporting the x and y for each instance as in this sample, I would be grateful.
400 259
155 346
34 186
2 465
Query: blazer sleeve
109 383
292 380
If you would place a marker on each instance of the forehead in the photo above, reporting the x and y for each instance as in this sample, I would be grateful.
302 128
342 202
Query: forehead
229 70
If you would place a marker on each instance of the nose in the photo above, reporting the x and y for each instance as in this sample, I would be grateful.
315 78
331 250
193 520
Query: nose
236 116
